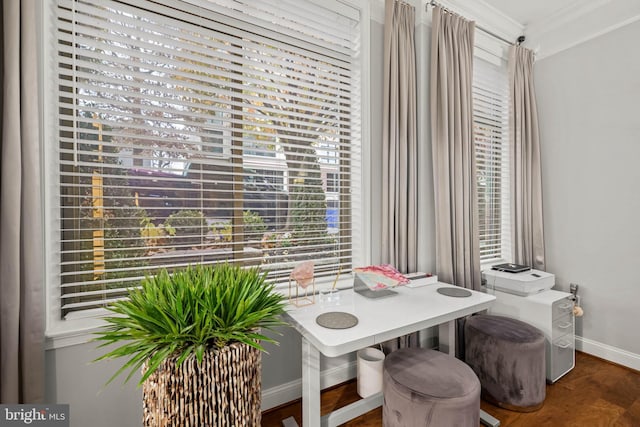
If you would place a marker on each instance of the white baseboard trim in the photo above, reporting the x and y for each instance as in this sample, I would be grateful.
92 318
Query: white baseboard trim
607 352
285 393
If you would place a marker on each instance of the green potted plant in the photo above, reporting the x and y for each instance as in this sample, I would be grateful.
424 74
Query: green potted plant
196 336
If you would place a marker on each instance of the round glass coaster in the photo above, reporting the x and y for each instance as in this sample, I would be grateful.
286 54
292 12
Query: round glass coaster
454 292
337 320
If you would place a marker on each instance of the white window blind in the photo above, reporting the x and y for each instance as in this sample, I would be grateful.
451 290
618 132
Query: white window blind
491 119
203 132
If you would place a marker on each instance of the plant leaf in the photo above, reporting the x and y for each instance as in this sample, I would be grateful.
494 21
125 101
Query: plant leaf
190 311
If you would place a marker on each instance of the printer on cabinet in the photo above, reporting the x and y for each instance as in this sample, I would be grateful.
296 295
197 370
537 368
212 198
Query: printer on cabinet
524 283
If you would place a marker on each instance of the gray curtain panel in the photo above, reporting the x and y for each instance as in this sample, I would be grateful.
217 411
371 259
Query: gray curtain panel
400 149
21 246
454 163
526 181
399 140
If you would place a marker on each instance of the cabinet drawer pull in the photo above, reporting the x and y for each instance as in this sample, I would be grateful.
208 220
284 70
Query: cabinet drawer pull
563 344
564 325
565 306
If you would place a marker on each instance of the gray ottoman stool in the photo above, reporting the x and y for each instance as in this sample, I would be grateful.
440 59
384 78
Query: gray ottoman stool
508 356
427 388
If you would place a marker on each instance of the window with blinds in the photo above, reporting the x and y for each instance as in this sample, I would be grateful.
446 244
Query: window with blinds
491 120
203 132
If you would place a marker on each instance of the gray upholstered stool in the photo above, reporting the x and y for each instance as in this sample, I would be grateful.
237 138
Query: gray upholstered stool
427 388
508 356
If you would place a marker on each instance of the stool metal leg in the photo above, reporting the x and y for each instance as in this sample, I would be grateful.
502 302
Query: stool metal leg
488 420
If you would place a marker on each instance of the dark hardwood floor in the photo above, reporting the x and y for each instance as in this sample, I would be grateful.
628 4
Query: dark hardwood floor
595 393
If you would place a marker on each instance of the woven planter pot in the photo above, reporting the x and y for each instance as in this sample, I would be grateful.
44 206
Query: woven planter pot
224 390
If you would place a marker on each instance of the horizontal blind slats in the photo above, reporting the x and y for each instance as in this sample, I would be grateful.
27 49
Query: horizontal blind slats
491 121
205 135
218 20
201 48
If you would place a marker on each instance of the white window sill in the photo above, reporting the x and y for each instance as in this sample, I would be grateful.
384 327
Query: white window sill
77 328
80 328
66 338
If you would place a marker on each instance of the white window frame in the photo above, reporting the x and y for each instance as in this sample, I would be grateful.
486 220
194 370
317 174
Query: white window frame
496 53
61 333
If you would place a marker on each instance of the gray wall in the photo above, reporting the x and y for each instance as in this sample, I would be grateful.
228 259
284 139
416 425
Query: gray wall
72 378
588 98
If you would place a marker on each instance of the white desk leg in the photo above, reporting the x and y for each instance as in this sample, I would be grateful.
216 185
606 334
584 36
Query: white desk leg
447 338
488 420
310 385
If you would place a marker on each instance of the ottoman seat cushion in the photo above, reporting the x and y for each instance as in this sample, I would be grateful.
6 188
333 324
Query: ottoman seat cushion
428 388
508 356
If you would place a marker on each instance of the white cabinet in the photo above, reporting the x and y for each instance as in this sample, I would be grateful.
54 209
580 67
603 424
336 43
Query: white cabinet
551 312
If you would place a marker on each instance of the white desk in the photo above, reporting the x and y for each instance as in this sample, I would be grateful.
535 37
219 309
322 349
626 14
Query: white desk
379 320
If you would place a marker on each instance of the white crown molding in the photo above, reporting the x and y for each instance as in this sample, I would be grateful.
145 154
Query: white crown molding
553 49
563 16
580 21
569 26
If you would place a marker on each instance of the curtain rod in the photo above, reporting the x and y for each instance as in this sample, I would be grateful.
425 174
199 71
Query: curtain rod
494 35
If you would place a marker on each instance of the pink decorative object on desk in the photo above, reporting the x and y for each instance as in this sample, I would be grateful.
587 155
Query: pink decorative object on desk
303 274
302 277
382 276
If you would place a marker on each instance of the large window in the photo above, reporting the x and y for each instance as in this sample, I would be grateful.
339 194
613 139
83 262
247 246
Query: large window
197 132
491 118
